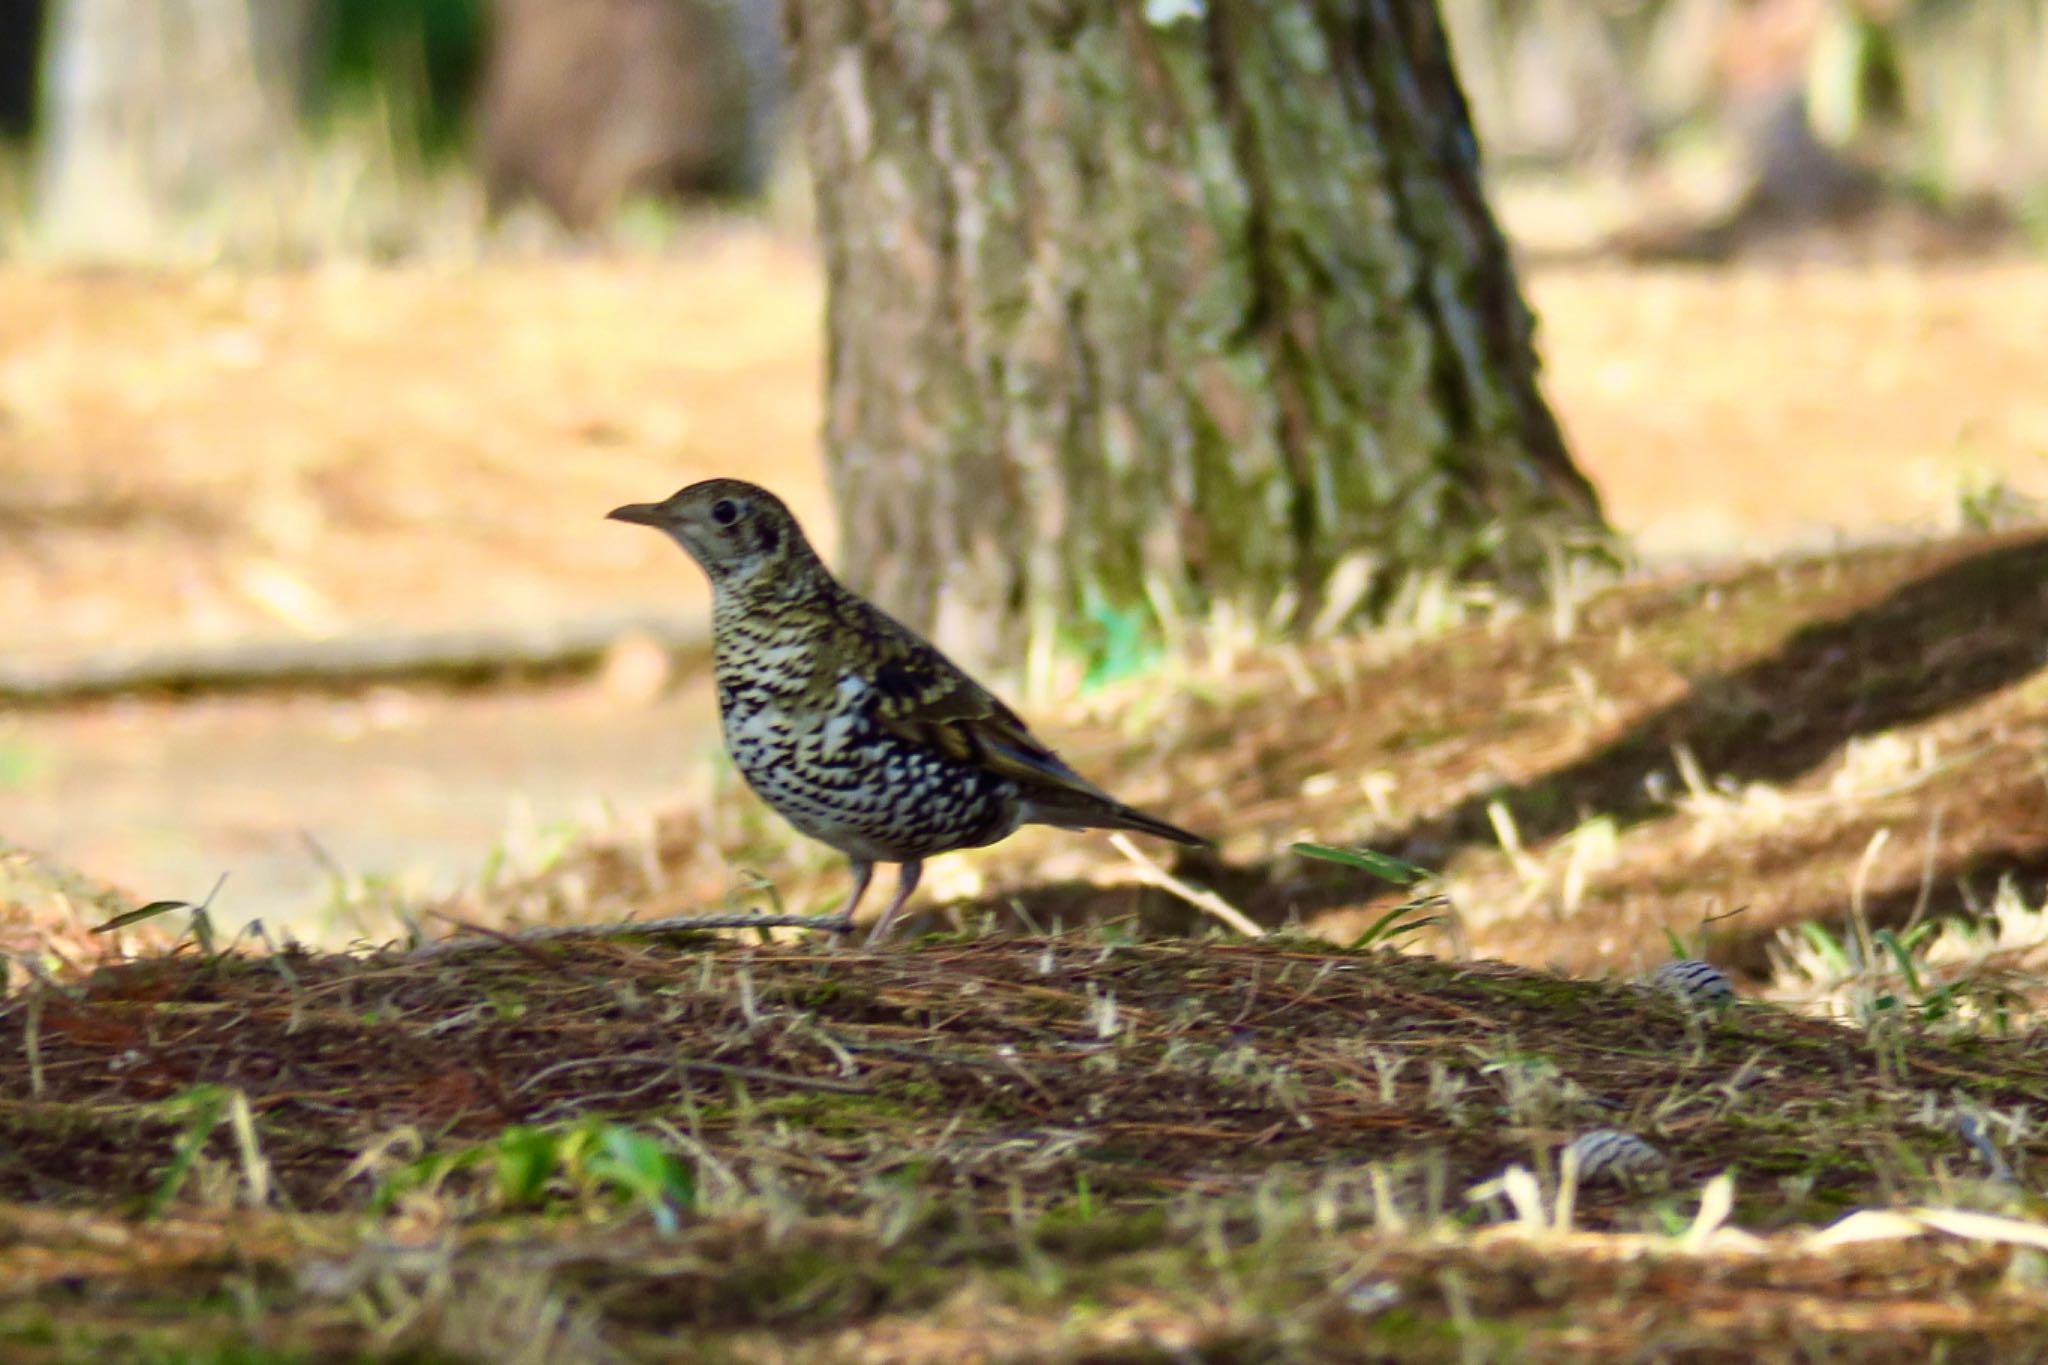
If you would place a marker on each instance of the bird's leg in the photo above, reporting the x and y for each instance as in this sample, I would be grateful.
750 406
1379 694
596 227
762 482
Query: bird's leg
862 870
905 884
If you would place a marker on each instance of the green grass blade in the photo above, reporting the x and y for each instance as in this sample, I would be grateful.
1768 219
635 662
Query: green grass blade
204 1106
141 913
1385 866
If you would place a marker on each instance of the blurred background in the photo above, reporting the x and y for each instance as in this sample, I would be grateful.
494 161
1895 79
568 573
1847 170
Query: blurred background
329 329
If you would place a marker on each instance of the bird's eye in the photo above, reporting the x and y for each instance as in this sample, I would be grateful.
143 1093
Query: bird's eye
725 512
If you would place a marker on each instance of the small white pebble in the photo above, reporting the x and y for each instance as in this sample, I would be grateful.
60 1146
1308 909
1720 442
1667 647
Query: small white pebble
1372 1297
1610 1154
1972 1131
1696 982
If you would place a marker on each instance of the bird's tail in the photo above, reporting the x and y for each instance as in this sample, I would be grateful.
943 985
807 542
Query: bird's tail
1110 814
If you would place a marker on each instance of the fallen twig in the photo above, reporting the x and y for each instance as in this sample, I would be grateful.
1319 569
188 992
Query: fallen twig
1208 902
341 662
751 1073
671 924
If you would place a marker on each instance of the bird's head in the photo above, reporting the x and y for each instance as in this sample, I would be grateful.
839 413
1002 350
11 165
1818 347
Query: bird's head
736 530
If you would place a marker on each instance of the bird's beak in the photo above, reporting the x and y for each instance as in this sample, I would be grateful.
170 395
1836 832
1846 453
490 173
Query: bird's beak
639 513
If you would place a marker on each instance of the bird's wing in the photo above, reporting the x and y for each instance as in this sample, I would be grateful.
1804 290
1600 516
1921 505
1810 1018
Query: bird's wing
926 698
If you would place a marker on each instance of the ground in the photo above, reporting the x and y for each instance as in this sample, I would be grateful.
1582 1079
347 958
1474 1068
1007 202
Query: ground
220 456
987 1149
352 454
1077 1118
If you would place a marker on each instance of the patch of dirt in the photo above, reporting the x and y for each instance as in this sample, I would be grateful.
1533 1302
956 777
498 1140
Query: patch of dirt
226 457
1741 412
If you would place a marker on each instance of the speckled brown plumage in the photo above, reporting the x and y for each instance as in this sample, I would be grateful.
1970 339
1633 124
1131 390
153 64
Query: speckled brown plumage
855 729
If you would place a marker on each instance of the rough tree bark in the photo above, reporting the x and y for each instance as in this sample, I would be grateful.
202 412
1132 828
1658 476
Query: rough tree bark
164 116
1163 308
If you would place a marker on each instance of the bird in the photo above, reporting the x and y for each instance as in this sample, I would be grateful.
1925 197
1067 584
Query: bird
851 725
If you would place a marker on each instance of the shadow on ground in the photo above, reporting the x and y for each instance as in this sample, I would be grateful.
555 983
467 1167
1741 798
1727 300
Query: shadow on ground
1931 646
1920 645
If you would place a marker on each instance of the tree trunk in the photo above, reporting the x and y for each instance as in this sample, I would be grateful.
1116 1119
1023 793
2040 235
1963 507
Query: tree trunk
1161 310
165 119
21 30
586 102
